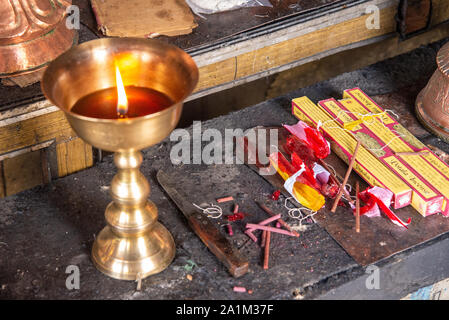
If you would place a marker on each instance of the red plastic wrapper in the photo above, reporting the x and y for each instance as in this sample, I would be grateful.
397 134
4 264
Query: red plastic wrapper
371 209
308 174
377 199
294 146
301 152
329 187
275 195
291 168
296 182
330 190
310 137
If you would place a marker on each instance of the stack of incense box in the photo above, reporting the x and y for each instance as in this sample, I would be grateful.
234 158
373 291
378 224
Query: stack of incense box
390 156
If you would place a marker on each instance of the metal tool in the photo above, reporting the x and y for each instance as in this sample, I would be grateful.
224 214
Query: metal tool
206 230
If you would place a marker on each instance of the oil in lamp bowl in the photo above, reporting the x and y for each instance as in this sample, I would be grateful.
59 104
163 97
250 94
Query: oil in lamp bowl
90 67
134 244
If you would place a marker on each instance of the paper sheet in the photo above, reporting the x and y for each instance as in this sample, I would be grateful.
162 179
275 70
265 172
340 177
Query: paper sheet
143 18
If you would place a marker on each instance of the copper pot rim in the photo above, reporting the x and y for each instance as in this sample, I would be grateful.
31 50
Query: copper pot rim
126 121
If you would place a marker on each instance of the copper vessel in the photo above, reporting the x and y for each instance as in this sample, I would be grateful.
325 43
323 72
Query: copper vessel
432 103
32 33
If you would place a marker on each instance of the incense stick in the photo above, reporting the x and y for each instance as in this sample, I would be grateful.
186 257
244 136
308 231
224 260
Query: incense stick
267 221
282 222
264 238
275 230
251 235
345 180
267 250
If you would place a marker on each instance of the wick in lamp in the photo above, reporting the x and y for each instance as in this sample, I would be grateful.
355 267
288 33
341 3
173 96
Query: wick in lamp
123 95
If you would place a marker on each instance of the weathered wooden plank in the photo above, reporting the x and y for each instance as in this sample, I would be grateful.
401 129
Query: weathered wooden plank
321 40
313 43
22 172
32 131
349 60
72 156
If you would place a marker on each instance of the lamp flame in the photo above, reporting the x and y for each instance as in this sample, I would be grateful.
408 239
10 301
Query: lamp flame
122 101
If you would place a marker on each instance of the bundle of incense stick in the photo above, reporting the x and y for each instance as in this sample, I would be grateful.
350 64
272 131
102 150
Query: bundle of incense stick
267 230
345 180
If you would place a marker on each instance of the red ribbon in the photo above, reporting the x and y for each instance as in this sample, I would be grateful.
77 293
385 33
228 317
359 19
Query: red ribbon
390 214
372 200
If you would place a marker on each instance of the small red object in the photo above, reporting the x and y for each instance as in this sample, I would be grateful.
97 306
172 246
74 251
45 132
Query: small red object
365 197
275 195
235 216
239 289
229 227
330 189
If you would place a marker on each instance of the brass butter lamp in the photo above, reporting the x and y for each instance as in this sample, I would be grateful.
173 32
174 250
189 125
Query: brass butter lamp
134 244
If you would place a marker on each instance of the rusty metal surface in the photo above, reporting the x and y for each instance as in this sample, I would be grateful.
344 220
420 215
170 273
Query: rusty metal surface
378 238
206 230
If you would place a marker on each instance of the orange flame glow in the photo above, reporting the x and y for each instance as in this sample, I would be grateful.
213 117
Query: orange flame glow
122 102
